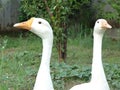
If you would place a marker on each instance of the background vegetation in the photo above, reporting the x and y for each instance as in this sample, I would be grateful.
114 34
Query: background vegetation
20 53
60 13
20 59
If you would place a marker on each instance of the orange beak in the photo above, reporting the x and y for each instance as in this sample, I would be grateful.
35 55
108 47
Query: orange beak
106 25
25 25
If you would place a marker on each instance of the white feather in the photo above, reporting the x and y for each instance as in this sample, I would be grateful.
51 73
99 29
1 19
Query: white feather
98 79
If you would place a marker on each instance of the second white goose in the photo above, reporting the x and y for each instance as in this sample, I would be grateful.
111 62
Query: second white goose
98 79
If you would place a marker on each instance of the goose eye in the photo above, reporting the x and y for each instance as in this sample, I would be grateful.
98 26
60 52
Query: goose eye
97 21
39 22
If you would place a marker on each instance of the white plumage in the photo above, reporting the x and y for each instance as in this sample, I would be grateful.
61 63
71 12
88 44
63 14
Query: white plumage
43 29
98 80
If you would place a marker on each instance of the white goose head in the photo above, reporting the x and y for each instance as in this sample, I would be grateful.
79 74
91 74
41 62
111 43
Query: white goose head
101 25
38 26
43 29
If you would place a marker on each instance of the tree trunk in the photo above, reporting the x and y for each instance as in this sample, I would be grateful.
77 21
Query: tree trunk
61 44
48 9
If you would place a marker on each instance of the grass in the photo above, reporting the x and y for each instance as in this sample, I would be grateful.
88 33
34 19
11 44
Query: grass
20 59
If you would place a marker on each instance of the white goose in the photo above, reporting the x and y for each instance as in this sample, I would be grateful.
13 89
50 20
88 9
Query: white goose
98 79
43 29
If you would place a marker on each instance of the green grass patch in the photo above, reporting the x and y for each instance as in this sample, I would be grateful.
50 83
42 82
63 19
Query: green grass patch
20 60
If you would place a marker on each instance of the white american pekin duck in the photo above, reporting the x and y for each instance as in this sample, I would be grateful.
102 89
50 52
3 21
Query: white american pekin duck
98 79
41 28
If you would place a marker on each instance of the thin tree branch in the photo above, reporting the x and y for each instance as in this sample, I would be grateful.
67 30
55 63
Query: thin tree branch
48 9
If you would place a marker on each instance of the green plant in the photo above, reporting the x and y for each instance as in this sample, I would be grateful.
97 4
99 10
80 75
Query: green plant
79 30
113 75
115 6
59 14
107 9
3 44
62 72
21 61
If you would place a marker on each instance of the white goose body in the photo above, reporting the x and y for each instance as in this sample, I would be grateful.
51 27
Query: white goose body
98 80
41 28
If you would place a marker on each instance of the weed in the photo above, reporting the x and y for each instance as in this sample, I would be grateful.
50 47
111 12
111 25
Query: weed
20 59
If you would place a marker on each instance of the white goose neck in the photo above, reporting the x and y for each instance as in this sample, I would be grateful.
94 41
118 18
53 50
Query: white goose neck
43 79
98 74
47 50
97 47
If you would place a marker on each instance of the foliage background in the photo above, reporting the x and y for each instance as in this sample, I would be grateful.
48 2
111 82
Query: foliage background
65 14
19 57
